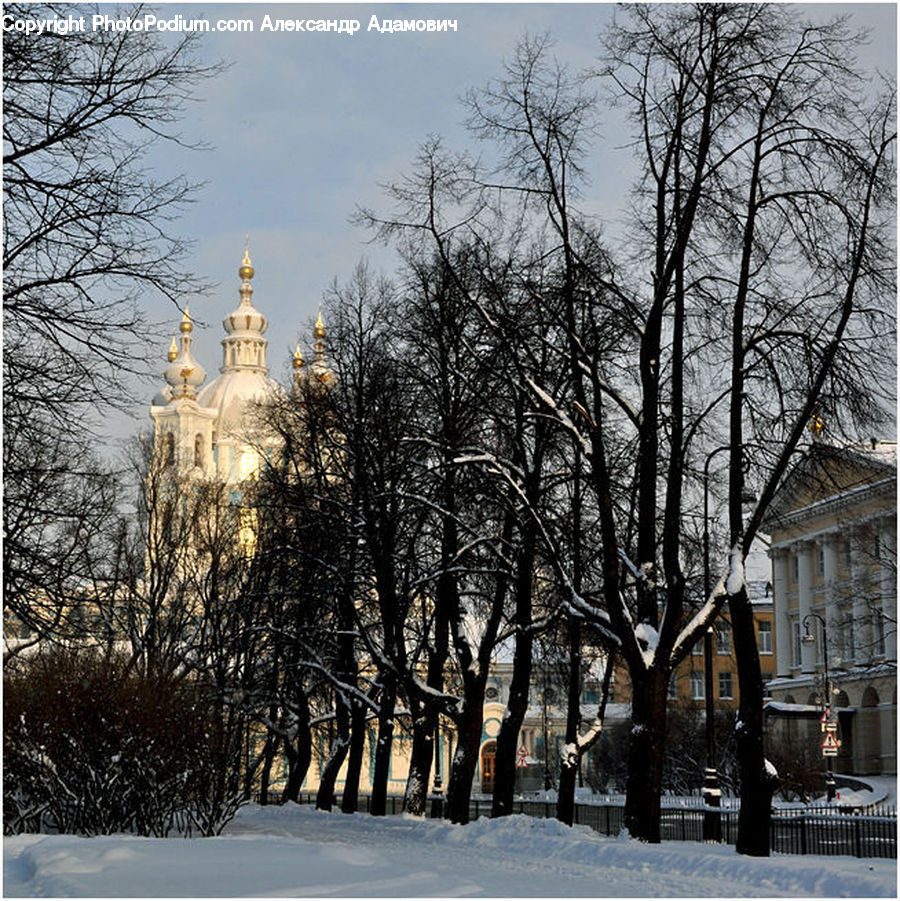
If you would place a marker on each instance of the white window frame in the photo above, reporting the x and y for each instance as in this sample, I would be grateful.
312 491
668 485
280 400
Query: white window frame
698 686
730 694
723 638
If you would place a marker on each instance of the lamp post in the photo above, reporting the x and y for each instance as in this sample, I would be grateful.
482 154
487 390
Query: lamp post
712 795
548 782
437 803
808 638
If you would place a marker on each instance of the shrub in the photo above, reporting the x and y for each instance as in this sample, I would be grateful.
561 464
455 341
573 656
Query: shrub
92 747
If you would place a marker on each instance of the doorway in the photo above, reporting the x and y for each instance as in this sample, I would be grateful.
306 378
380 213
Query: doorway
488 756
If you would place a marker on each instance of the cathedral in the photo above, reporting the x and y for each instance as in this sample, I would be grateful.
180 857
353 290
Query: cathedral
208 430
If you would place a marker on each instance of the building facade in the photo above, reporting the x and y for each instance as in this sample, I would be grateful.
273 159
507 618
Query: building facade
541 737
687 686
834 567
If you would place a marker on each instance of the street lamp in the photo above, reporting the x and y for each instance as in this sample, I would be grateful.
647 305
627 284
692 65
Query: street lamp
548 782
712 795
809 638
437 804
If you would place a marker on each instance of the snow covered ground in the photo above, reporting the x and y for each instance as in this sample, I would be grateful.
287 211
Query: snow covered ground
881 790
299 852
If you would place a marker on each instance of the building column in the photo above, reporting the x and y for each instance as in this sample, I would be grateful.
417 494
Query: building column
888 544
862 614
804 551
832 613
780 606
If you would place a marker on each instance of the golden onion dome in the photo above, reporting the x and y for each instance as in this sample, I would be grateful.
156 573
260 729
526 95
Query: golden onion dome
173 351
246 270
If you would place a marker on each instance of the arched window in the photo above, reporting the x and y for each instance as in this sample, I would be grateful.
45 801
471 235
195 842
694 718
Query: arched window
198 450
169 450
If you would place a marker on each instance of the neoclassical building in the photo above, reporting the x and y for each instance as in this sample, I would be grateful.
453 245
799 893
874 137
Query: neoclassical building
834 559
541 738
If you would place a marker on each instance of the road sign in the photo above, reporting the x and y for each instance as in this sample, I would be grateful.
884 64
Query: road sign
521 755
830 745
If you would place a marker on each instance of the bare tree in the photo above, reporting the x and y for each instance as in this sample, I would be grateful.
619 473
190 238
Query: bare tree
85 233
760 214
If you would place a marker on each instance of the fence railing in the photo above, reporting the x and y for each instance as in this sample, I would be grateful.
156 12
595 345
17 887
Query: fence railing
793 831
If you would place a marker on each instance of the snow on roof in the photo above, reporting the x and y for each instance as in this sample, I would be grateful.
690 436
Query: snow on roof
799 709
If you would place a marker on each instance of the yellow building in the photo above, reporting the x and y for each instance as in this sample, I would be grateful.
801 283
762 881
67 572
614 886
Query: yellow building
540 739
687 687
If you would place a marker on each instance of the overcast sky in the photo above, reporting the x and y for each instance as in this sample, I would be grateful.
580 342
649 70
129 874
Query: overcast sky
303 127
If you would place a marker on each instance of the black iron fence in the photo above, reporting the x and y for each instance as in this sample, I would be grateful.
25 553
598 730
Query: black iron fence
801 831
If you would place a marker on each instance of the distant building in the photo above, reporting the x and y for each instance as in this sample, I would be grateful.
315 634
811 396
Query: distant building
687 686
209 431
541 737
834 563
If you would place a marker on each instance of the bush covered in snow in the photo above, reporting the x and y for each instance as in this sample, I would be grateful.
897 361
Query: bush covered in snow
93 747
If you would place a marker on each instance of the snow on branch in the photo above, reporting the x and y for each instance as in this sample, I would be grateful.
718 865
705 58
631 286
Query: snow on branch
560 416
630 566
648 640
731 583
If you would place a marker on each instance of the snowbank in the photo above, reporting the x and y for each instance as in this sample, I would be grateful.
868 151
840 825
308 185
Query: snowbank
297 851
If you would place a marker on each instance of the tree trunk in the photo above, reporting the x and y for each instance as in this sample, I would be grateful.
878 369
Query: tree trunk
645 753
266 771
299 757
336 755
350 796
758 783
516 707
420 762
508 738
468 744
298 761
568 772
383 748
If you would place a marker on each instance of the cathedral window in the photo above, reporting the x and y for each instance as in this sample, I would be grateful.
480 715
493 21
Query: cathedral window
249 463
198 450
169 450
247 531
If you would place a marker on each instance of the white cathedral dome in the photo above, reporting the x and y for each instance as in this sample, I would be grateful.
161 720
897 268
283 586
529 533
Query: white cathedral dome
233 395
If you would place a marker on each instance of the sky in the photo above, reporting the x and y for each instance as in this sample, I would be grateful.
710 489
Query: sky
303 128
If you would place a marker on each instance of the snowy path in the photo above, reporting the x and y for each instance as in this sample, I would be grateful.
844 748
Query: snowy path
298 852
